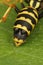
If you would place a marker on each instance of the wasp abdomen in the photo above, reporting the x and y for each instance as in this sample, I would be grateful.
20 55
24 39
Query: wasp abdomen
27 17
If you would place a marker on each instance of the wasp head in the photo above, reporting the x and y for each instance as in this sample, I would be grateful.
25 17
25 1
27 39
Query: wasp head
19 36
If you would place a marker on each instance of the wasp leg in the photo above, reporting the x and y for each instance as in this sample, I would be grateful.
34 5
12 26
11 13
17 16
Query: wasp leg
5 15
23 6
16 9
41 14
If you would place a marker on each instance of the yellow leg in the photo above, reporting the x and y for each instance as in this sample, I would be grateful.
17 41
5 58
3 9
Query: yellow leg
3 19
8 10
5 14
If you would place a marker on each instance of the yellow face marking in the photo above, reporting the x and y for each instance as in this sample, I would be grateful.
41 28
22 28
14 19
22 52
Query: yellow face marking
27 20
19 41
22 27
29 13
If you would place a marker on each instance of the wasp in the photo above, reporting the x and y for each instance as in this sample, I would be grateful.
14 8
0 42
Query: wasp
26 20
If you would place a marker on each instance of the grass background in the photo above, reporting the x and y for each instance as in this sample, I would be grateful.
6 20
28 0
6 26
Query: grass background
30 53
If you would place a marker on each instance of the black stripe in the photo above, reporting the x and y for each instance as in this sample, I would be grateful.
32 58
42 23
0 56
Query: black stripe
27 16
29 10
34 4
24 23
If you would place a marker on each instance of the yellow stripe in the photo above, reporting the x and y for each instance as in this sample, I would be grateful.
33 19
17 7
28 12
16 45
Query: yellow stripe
35 12
27 20
28 7
37 5
29 13
22 27
24 8
31 3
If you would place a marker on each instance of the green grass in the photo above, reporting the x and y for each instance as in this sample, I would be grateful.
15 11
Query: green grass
30 53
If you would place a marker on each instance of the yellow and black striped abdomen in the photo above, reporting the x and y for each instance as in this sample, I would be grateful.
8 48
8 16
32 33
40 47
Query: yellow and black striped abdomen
27 19
35 3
